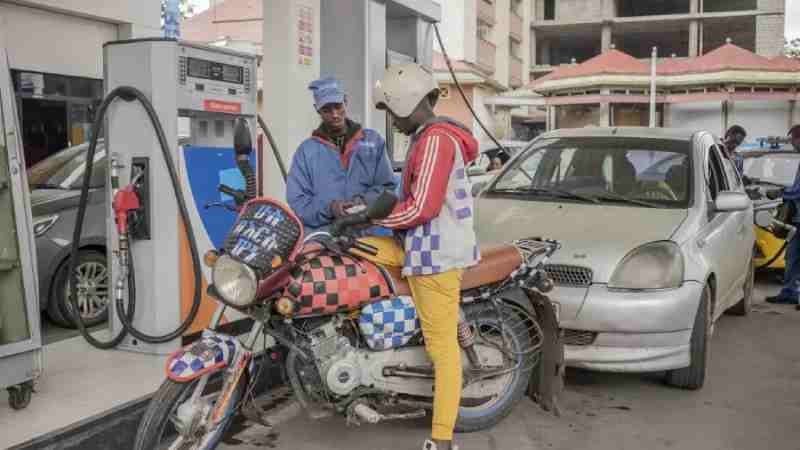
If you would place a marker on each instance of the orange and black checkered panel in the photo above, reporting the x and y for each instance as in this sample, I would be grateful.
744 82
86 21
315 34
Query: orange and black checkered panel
329 284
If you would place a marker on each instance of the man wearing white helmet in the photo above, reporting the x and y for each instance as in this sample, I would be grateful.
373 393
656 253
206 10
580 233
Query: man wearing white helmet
434 218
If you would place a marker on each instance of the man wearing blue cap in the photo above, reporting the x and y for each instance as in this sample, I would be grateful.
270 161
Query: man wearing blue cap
340 166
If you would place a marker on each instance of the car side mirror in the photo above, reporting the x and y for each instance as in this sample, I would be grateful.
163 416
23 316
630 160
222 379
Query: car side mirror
382 206
476 171
729 201
477 188
763 218
242 140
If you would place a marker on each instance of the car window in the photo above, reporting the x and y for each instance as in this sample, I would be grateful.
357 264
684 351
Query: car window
731 174
716 174
779 169
603 169
70 176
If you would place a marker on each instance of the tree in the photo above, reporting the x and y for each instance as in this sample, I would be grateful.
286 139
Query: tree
792 48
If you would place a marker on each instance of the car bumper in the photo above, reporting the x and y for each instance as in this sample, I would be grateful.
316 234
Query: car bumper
633 331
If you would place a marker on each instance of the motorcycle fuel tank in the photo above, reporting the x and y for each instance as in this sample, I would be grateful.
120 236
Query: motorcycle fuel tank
330 283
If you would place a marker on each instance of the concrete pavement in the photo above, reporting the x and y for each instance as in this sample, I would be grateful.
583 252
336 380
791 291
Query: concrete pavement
751 400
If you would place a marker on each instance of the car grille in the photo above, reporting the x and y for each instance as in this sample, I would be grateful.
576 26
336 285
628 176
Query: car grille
579 337
564 275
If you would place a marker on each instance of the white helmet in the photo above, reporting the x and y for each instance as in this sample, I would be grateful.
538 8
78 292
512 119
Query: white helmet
403 87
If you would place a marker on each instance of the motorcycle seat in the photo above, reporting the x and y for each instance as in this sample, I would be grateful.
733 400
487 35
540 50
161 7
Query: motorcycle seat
496 264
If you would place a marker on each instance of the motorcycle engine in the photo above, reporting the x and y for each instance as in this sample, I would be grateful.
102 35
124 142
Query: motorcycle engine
336 359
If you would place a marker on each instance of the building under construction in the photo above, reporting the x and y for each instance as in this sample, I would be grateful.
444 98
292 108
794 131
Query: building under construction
566 31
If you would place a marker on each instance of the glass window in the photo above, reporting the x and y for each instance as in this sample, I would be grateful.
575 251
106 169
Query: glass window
716 174
632 171
81 87
779 169
70 175
55 85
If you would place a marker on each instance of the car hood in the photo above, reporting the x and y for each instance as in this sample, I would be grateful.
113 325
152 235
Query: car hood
49 201
594 236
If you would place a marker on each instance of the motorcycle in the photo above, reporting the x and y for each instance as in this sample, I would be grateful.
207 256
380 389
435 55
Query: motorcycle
355 346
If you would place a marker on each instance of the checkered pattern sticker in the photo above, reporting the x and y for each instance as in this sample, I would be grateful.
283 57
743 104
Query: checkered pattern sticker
213 351
389 323
335 283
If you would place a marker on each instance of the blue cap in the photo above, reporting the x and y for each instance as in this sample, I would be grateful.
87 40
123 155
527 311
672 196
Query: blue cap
326 91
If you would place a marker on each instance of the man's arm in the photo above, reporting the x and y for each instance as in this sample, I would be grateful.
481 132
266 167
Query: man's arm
300 193
383 178
432 167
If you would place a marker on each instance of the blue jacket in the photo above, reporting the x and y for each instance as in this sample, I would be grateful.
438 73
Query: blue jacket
320 174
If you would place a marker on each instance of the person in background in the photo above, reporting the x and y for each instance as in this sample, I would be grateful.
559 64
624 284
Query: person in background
495 164
434 219
733 139
341 165
790 293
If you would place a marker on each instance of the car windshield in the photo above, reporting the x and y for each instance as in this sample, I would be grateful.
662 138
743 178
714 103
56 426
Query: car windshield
70 175
777 169
639 172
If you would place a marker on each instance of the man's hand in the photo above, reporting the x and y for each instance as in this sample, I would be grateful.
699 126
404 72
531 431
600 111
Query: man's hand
341 208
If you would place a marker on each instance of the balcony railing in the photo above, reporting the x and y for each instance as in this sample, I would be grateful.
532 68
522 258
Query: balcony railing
515 27
515 72
486 55
486 11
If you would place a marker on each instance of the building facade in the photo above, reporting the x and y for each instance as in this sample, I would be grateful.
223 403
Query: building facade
567 30
55 51
727 86
489 44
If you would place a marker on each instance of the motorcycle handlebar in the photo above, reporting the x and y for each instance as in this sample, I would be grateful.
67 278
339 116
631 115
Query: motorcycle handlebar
365 248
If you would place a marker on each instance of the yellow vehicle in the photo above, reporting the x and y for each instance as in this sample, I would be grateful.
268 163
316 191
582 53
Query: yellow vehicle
769 170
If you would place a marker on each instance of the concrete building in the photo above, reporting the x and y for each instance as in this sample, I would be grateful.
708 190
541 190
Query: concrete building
489 45
726 86
567 30
56 53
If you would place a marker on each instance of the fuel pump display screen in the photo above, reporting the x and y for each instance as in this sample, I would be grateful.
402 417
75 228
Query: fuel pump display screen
209 70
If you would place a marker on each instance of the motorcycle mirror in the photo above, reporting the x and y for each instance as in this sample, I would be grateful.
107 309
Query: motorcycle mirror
382 206
242 141
763 218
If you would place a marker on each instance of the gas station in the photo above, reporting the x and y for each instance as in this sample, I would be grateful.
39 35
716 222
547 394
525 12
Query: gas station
172 147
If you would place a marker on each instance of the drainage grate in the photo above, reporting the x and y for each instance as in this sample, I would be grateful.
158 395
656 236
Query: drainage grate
579 337
564 275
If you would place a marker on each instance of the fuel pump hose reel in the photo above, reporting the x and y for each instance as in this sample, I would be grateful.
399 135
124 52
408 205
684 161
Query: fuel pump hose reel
130 94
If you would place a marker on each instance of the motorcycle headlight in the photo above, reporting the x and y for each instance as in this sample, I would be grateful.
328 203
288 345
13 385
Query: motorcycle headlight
42 224
235 281
658 265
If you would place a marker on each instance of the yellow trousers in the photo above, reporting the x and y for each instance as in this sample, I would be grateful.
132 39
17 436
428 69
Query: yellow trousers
437 298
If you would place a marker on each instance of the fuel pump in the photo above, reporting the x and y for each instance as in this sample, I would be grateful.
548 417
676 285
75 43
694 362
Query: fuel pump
170 148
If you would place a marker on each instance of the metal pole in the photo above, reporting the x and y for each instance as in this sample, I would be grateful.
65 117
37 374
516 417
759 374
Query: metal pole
653 87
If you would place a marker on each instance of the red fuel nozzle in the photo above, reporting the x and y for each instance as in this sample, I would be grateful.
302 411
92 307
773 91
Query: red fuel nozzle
125 200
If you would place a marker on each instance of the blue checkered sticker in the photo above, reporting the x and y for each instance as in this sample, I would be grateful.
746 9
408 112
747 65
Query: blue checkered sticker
390 323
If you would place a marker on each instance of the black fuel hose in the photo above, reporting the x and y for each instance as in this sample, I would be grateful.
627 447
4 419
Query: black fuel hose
278 157
129 94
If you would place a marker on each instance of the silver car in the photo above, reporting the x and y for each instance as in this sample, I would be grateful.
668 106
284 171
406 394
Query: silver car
658 242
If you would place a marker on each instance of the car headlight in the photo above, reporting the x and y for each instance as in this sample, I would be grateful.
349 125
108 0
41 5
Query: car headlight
657 265
234 281
42 224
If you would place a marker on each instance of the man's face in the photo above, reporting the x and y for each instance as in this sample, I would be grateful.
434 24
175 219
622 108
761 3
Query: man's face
406 125
334 116
796 140
733 141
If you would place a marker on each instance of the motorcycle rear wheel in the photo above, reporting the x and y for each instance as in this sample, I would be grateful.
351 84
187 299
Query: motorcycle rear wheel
518 335
157 430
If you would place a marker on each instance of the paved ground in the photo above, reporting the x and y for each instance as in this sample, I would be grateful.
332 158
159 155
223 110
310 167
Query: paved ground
751 400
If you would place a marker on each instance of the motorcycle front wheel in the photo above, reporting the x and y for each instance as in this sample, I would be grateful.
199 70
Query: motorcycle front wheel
172 417
496 325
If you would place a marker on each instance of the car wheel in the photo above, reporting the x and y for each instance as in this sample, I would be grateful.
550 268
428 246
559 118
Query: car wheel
743 307
93 289
694 376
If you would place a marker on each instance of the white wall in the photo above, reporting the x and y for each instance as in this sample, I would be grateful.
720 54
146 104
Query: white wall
145 13
702 115
452 28
44 41
761 119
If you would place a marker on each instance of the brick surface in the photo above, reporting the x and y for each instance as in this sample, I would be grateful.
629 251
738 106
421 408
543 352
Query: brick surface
578 10
769 34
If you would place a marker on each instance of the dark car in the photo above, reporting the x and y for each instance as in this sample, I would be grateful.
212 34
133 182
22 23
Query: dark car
55 194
